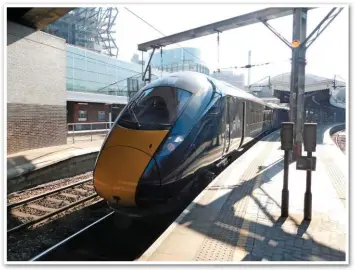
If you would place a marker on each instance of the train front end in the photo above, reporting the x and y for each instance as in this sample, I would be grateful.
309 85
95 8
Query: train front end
126 172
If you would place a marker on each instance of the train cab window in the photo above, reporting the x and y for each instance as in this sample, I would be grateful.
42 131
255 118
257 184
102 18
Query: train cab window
216 107
156 108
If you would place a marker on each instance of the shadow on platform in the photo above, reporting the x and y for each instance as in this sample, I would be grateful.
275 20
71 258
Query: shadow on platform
263 242
18 164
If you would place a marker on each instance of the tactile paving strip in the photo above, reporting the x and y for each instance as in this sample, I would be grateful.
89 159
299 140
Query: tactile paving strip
221 242
336 176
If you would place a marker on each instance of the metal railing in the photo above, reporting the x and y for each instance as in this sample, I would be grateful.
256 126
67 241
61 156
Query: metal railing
122 93
88 128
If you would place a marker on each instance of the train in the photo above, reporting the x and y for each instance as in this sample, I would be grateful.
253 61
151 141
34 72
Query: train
173 131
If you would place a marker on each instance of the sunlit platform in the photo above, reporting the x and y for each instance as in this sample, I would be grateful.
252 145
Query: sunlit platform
238 216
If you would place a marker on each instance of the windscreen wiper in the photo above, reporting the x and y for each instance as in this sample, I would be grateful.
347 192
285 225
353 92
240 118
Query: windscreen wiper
131 112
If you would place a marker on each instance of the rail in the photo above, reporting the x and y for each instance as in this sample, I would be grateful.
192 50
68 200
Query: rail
75 129
52 249
51 203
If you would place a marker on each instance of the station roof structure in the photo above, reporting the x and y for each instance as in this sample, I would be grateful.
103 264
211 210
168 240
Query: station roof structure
313 83
36 18
338 97
228 24
282 82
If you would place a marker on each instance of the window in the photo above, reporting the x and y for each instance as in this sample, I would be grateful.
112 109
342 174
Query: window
82 115
101 116
157 107
215 109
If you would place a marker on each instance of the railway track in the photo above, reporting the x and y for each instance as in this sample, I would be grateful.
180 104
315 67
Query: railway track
57 250
100 227
102 240
35 209
92 242
340 139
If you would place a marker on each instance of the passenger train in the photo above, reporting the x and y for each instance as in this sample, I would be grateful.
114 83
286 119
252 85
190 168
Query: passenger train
172 131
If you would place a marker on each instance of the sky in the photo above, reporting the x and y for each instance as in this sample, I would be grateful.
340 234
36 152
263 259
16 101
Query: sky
327 56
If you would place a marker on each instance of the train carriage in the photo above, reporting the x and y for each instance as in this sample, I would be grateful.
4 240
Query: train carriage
174 129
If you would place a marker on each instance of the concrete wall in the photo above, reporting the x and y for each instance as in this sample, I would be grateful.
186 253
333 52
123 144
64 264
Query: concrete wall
36 89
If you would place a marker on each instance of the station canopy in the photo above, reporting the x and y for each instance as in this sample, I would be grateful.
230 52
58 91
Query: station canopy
282 82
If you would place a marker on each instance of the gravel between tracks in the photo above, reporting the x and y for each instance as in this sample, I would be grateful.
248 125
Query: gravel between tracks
49 204
29 210
21 195
24 245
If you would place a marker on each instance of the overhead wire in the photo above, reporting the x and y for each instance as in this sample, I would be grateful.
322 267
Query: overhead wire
139 17
340 77
98 90
218 43
257 65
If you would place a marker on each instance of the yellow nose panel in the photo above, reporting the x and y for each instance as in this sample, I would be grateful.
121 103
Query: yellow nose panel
118 171
144 140
122 162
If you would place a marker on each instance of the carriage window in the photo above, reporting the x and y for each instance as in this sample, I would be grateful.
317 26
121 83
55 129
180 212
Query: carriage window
157 107
215 109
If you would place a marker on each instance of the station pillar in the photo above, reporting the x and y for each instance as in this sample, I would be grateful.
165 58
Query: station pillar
298 76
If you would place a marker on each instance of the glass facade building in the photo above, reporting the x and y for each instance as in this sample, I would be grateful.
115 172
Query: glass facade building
88 71
90 28
178 55
186 66
179 59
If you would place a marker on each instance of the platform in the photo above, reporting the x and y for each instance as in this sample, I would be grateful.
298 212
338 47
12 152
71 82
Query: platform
237 217
26 161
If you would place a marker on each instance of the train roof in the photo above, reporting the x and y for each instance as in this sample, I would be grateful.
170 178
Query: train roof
194 82
235 91
187 80
276 106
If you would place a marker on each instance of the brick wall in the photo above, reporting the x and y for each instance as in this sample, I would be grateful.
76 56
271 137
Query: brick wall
36 89
92 112
35 126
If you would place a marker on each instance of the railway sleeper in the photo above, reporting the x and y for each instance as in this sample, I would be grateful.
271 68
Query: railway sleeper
69 195
83 191
41 208
23 215
59 202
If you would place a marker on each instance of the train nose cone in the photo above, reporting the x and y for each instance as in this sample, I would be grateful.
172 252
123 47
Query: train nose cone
122 162
117 174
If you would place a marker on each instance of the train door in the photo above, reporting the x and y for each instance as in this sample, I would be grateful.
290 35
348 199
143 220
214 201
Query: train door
237 122
228 121
242 113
